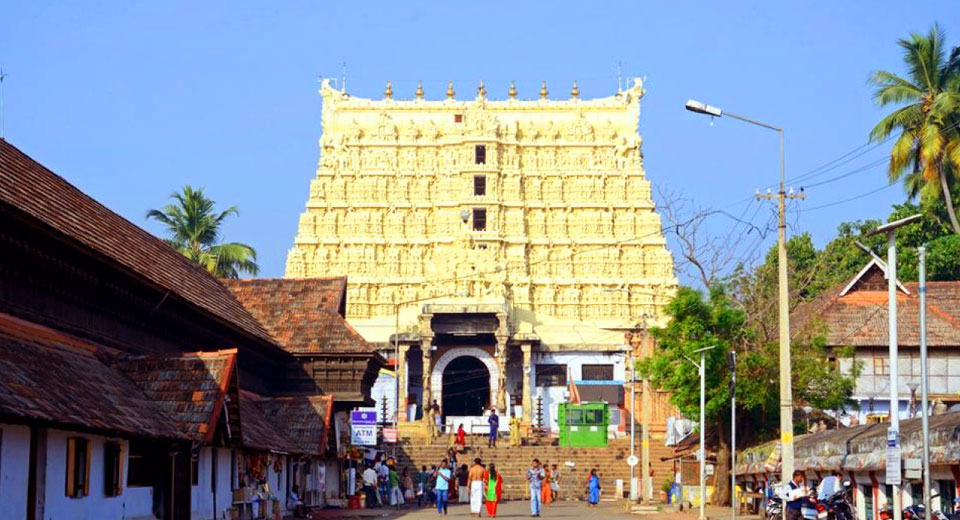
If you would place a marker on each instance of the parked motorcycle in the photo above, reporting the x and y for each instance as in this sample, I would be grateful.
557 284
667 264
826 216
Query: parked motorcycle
917 512
774 509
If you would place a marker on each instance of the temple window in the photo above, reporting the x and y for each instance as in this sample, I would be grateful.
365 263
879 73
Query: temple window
479 219
479 185
480 154
457 118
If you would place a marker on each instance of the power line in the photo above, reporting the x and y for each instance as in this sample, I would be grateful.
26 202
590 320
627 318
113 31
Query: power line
862 195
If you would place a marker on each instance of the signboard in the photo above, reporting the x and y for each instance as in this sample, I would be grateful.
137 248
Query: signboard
912 469
390 434
893 458
363 428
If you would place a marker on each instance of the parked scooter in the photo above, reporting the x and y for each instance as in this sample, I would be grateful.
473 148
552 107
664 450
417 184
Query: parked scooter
774 509
917 512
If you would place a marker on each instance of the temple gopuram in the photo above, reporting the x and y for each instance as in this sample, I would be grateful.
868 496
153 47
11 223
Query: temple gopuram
499 249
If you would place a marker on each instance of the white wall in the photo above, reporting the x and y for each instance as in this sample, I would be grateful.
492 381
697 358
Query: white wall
202 493
14 469
555 395
96 506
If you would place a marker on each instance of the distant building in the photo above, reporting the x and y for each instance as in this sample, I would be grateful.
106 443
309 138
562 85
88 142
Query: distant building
132 383
502 248
855 315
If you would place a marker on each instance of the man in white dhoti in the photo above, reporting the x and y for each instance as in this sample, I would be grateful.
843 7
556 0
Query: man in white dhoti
475 484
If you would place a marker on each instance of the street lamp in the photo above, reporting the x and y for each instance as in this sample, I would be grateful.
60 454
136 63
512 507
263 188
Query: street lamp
786 392
893 433
701 369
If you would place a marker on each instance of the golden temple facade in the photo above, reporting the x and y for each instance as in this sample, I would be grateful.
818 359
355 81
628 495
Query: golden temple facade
537 207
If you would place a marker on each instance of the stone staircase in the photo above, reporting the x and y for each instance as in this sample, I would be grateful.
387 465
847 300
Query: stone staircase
513 462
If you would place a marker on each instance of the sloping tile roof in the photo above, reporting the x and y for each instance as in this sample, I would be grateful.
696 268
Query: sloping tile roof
33 189
304 315
859 318
304 420
188 388
258 432
52 377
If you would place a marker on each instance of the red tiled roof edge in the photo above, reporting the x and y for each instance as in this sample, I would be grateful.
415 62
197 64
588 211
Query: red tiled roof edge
34 189
224 385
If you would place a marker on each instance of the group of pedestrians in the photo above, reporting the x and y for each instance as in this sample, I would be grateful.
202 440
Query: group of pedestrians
479 484
383 485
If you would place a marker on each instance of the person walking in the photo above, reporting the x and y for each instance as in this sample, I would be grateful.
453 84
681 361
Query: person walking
442 488
475 484
554 483
463 491
535 476
494 421
437 417
493 489
461 439
546 494
593 488
393 480
370 487
422 478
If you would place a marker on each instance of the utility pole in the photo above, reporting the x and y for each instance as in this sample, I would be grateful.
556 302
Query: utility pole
786 390
733 435
924 384
786 385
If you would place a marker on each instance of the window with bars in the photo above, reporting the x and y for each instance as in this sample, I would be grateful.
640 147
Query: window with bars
479 185
78 467
480 154
551 375
479 219
112 469
597 372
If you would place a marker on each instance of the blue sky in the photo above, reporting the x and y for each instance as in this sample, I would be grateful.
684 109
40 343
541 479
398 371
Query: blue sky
131 100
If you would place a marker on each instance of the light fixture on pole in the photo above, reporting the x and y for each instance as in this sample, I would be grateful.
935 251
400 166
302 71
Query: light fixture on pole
786 390
701 369
893 433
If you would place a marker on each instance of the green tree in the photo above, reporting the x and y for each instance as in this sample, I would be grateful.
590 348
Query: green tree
193 227
719 320
926 155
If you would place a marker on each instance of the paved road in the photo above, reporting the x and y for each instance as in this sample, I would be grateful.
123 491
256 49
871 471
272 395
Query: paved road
521 509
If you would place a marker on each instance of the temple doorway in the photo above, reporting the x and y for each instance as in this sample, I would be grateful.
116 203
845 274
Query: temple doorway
466 387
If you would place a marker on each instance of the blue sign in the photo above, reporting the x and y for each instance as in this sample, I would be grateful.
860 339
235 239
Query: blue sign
363 418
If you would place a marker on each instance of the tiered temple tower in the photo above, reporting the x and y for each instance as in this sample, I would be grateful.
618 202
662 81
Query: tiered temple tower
496 226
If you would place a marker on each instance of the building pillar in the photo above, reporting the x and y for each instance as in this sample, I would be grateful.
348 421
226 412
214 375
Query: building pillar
425 345
527 397
402 381
502 399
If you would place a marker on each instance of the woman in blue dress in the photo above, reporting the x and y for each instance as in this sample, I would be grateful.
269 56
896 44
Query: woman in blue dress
593 487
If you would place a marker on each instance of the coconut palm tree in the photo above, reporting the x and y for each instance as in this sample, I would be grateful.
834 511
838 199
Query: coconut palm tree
194 229
926 155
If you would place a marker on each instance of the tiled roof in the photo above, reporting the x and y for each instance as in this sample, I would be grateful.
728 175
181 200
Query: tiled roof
304 420
859 318
304 315
33 189
258 432
55 378
188 388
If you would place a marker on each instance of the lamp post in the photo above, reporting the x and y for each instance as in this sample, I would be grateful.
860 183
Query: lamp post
701 370
893 433
786 392
733 435
924 381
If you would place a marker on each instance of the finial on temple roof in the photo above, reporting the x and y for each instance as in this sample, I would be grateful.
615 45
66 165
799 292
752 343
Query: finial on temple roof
450 90
419 92
513 90
543 90
388 93
575 93
481 90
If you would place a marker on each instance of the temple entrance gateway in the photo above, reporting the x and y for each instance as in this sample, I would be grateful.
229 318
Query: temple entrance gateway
466 387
